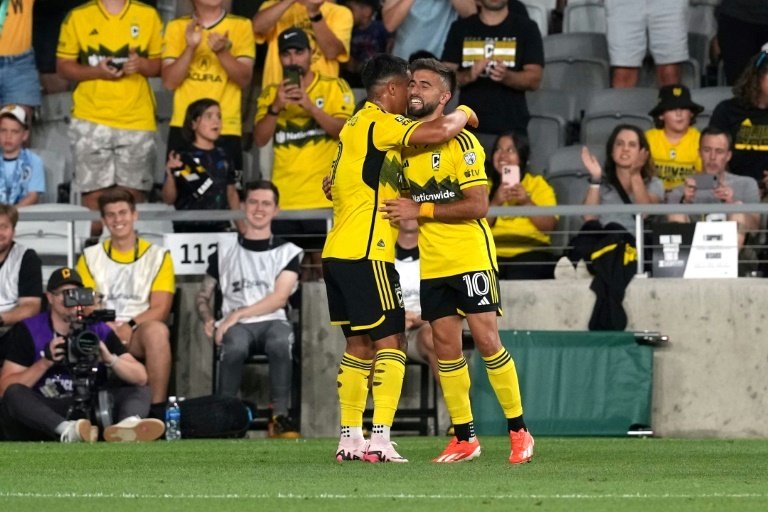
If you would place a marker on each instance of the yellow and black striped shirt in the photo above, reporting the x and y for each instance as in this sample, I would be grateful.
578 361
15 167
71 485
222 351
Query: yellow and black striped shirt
437 173
367 171
303 150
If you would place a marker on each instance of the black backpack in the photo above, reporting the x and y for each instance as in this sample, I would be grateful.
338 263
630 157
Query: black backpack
214 416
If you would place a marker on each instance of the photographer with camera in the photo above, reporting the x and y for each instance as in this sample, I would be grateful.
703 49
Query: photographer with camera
47 381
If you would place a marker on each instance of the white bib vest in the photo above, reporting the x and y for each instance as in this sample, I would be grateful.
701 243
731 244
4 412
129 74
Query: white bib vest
126 286
246 277
9 278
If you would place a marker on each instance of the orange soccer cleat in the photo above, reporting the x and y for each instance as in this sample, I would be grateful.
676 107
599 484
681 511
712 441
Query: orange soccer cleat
522 447
459 451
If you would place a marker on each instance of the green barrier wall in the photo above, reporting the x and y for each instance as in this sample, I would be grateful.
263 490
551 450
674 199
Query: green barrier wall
573 383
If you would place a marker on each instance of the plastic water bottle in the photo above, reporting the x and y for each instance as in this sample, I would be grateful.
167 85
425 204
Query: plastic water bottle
172 420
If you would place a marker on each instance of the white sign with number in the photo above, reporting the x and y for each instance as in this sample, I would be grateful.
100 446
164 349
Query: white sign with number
190 251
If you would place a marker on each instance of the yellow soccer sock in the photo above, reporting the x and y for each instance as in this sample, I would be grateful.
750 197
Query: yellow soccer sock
454 379
352 386
503 377
388 374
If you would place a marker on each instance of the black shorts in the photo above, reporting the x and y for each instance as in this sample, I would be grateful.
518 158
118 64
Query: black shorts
308 234
462 294
364 297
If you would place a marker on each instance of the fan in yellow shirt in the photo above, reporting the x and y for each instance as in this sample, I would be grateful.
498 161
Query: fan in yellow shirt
674 142
522 243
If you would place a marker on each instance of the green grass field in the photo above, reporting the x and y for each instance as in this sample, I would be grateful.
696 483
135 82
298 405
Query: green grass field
602 474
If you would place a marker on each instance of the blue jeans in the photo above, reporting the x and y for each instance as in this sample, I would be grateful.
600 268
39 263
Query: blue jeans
19 81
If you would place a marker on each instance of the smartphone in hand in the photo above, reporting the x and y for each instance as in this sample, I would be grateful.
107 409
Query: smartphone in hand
292 74
510 175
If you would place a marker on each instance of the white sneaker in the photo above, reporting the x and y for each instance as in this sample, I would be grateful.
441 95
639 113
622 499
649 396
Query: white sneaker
564 269
79 431
351 449
134 429
383 452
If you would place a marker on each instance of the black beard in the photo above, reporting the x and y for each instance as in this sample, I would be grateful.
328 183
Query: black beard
424 111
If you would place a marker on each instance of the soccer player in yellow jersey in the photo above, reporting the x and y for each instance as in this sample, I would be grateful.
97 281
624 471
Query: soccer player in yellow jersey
449 197
364 295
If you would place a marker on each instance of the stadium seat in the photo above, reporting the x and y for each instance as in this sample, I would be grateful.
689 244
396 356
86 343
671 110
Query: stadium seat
579 75
50 238
553 112
701 17
610 107
698 50
154 229
587 16
51 132
709 97
690 74
538 11
591 45
569 179
55 174
163 104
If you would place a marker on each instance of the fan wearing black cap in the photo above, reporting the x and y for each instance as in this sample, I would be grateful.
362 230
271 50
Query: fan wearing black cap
674 141
302 116
36 385
328 26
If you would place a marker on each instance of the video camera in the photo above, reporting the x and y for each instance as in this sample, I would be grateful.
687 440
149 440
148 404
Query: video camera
82 344
82 356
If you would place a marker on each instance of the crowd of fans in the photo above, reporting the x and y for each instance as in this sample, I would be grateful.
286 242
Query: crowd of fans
291 94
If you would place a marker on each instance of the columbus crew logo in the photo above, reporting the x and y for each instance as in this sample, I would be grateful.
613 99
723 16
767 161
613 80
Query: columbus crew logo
470 158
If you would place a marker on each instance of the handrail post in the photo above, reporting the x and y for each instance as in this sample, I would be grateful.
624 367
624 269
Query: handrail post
71 244
640 244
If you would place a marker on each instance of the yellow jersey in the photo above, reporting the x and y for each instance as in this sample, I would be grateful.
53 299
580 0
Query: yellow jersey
517 235
367 171
303 150
437 173
337 17
89 34
674 162
206 77
16 35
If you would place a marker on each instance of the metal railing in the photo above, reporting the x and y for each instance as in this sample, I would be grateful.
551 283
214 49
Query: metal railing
640 211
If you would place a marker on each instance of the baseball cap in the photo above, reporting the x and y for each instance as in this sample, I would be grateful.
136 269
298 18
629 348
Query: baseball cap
16 112
292 38
62 276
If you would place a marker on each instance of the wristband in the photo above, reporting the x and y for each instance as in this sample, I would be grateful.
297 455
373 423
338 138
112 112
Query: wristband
427 210
132 324
467 111
317 17
47 353
593 181
594 185
271 112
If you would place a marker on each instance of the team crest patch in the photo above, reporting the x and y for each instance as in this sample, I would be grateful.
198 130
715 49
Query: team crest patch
435 160
134 31
470 158
320 102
